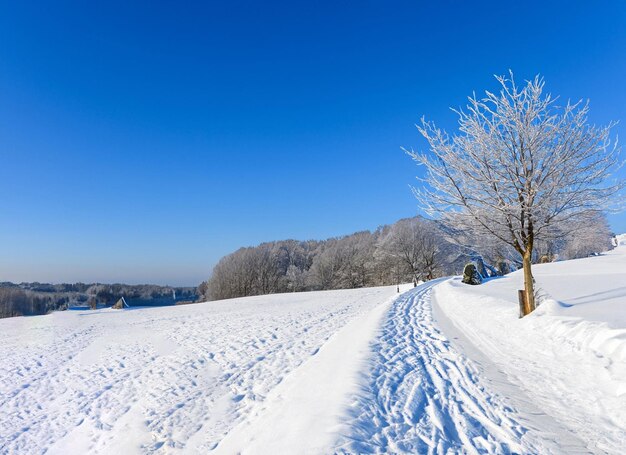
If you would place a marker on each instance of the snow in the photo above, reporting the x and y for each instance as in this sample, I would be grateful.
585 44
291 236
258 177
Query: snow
173 378
423 395
569 356
440 368
308 406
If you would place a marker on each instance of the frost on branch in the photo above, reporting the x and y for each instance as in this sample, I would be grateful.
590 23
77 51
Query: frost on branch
521 169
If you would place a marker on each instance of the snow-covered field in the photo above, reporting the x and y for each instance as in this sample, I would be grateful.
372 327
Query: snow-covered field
159 379
442 368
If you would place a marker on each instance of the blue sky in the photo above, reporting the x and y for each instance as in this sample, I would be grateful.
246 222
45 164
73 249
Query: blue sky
141 142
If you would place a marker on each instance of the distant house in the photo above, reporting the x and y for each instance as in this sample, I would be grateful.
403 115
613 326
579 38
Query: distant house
120 304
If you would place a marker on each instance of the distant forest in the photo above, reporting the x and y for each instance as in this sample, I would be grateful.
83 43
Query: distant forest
26 299
412 249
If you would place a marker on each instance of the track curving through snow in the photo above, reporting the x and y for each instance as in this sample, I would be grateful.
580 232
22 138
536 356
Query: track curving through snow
424 396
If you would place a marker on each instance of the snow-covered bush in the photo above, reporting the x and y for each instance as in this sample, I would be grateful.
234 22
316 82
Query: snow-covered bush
471 274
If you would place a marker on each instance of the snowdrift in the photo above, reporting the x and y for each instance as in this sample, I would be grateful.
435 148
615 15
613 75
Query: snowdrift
569 356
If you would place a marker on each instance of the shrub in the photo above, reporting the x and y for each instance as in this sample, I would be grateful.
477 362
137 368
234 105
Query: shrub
471 275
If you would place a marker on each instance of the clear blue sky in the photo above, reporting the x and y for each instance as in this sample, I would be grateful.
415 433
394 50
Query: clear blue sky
140 142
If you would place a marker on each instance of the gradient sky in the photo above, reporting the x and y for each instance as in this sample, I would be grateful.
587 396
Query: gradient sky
140 142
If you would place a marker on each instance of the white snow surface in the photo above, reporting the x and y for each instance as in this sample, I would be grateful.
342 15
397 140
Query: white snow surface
568 356
443 368
172 379
422 395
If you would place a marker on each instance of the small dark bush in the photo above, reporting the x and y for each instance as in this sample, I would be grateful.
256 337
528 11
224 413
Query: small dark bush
471 275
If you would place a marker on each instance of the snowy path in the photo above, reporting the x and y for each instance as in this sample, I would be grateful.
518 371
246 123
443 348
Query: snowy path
571 368
423 396
350 371
308 406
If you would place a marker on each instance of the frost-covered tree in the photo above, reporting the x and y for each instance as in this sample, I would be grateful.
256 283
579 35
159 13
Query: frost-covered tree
328 264
464 246
591 237
415 243
588 236
356 251
519 166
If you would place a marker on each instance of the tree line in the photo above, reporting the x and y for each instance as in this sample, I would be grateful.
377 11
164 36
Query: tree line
28 299
410 250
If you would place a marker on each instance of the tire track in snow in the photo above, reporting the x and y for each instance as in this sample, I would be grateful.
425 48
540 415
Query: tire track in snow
423 396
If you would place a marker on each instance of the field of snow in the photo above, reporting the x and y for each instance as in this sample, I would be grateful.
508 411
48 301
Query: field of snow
159 379
569 356
408 392
441 368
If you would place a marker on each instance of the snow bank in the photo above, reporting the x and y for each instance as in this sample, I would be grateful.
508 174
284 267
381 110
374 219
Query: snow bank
569 356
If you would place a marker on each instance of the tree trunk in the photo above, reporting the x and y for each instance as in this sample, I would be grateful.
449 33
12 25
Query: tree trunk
529 284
